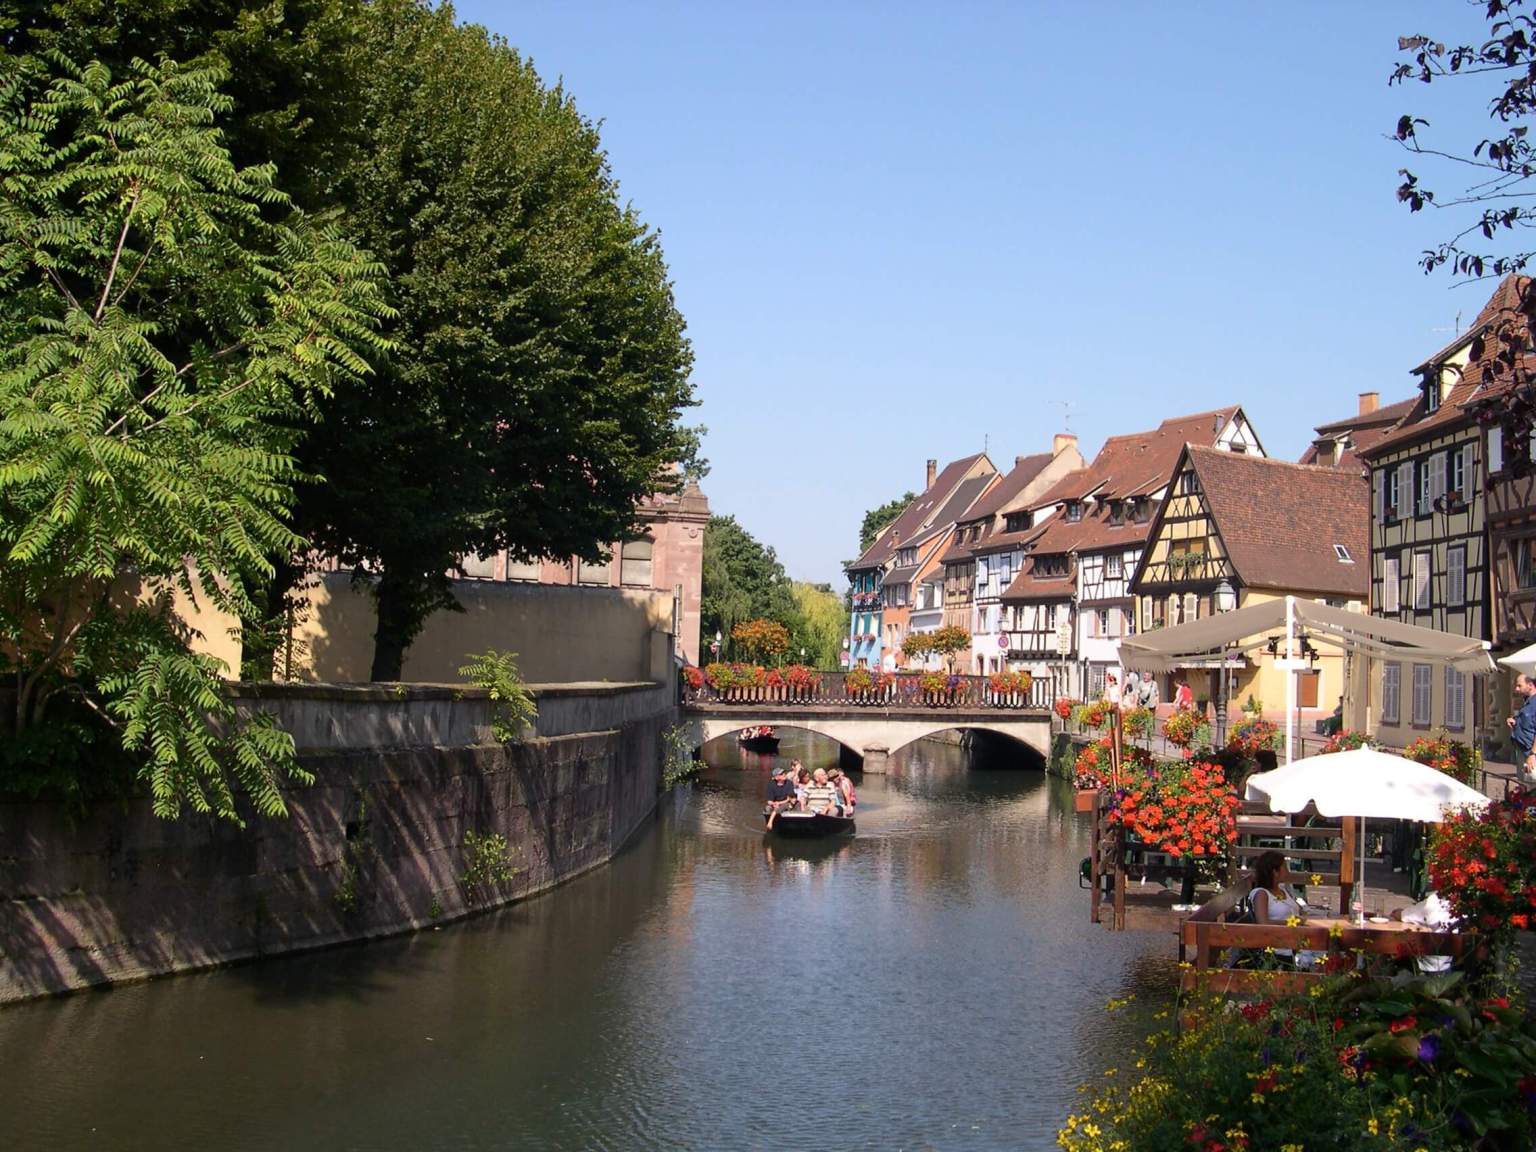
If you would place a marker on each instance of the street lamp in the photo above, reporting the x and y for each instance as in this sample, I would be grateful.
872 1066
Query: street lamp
1226 597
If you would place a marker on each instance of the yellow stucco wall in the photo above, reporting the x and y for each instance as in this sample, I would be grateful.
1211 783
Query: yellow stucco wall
560 633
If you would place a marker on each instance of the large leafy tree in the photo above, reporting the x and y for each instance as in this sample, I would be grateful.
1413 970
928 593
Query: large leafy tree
742 580
542 366
166 321
822 624
877 520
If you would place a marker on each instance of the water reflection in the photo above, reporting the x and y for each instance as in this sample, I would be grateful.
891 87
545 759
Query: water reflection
932 982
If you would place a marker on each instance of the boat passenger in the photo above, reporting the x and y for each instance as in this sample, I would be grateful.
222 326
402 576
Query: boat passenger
781 792
802 777
821 797
844 786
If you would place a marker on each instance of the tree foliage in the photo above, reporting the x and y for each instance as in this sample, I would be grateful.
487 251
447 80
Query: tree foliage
821 624
742 580
877 520
543 368
166 322
762 639
1490 206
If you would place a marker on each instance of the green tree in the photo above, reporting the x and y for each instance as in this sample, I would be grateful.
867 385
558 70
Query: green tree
762 639
823 622
877 520
742 580
160 339
543 367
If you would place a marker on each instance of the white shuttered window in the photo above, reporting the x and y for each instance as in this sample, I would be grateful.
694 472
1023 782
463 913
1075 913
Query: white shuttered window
1455 698
1421 574
1423 684
1391 584
1391 692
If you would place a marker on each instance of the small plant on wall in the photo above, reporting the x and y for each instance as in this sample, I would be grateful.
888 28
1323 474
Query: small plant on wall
487 864
512 706
677 761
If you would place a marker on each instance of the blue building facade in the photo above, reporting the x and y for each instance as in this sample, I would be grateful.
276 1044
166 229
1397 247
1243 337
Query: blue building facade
865 626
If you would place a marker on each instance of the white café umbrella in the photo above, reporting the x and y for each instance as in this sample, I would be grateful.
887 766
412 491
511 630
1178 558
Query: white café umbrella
1367 783
1522 661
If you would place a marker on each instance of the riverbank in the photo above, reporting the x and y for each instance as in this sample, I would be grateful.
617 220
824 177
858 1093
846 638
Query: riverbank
389 838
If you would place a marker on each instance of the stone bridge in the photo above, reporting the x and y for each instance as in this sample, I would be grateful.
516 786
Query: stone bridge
873 732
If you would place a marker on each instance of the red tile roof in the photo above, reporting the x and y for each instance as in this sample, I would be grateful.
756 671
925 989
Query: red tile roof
917 515
1361 433
1279 521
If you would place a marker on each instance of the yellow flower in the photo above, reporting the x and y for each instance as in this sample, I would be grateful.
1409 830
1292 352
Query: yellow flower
1316 878
1292 1148
1293 921
1372 1127
1336 931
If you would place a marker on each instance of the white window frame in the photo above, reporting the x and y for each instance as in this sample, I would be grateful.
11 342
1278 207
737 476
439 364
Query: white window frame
1391 584
1391 692
1456 576
1114 568
1423 579
1423 695
1405 493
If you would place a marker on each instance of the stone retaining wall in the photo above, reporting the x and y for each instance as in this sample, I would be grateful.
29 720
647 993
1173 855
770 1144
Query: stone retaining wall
376 846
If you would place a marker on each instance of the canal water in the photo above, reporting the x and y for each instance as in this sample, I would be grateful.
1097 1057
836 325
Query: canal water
932 983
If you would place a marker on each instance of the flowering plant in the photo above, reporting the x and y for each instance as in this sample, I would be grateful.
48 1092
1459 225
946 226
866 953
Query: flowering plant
1139 722
775 678
859 680
723 677
1092 765
801 677
1455 758
931 682
1484 863
1252 734
693 676
1344 740
1188 730
1182 809
1064 706
1007 683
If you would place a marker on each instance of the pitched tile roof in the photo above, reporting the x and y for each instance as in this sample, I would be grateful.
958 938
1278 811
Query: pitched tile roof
1280 521
1359 433
1476 382
919 514
984 512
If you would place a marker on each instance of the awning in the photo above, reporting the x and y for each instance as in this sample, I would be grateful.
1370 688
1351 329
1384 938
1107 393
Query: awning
1246 629
1522 661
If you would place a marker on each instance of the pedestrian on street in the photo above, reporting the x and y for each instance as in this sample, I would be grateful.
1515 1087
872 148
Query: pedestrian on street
1522 729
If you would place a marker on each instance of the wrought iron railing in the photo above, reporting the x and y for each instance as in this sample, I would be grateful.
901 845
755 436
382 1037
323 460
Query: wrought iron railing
902 690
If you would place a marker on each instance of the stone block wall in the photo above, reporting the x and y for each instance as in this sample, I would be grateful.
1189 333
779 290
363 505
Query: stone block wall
376 846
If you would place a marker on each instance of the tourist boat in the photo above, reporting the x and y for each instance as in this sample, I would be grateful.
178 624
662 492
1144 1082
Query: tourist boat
759 738
810 824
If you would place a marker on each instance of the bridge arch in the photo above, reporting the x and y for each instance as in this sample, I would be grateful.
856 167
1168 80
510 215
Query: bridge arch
1030 756
710 733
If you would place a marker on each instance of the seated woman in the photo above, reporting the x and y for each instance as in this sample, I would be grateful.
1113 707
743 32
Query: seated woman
821 797
845 796
1273 902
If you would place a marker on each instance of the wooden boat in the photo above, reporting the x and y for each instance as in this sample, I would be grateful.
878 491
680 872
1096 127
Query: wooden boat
810 824
758 739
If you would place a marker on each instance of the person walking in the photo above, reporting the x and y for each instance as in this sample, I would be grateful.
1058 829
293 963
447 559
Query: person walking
1522 729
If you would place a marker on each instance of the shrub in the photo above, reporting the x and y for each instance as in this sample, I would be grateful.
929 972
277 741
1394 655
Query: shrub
512 705
859 680
802 678
1415 1062
931 682
1484 864
765 639
487 863
1011 683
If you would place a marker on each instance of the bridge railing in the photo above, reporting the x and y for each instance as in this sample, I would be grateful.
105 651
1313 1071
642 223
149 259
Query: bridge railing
903 690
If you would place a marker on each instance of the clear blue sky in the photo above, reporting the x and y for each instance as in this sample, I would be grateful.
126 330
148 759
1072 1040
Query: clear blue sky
896 230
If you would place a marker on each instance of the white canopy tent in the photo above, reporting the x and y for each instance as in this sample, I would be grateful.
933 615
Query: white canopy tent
1245 630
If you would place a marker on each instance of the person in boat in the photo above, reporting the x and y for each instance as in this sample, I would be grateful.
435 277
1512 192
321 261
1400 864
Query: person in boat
802 779
821 797
781 793
845 796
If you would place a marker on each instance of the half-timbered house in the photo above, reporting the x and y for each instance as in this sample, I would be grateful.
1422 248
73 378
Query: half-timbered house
1238 530
1429 555
1099 522
882 578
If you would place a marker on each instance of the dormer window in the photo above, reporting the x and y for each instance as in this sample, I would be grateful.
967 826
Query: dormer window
1117 512
1431 392
1072 511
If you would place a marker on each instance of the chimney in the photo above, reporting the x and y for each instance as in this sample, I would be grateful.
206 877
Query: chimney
1369 402
1018 461
1062 441
933 474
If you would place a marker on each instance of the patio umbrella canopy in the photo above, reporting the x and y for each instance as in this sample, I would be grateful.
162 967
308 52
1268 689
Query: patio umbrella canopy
1364 782
1522 661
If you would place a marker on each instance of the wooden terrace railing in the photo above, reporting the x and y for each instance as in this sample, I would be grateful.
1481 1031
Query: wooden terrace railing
902 690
